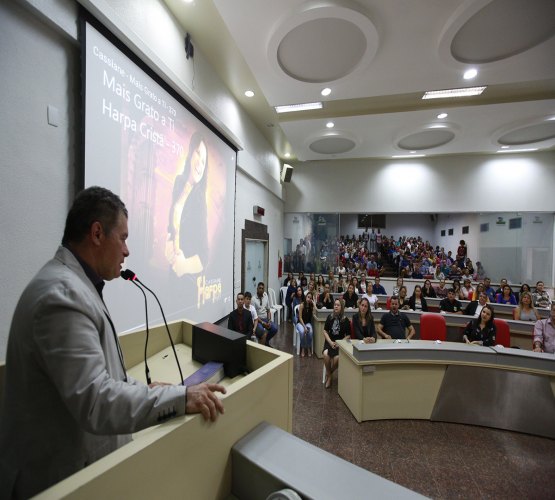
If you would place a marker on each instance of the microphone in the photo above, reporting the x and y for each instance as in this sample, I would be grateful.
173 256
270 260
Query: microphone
131 276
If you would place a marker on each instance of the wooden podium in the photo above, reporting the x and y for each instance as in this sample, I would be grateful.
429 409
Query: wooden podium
186 457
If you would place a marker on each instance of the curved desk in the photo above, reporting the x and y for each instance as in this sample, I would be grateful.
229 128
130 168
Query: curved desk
521 331
496 387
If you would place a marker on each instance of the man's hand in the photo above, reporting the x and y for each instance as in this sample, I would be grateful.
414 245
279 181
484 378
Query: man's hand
201 399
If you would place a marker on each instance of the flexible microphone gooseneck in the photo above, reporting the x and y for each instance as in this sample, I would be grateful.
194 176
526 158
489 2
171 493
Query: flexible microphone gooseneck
125 275
129 275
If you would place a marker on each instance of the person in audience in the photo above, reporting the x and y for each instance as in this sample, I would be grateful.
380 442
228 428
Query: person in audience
377 288
331 280
502 283
341 269
363 323
341 284
288 279
289 294
470 268
304 325
506 297
540 296
417 301
320 284
526 310
480 273
395 324
474 308
479 289
490 291
467 290
441 290
398 285
356 285
302 281
266 329
525 287
454 272
311 288
325 300
403 299
457 288
544 333
461 254
298 298
240 319
350 297
481 331
369 295
450 304
428 290
248 305
337 327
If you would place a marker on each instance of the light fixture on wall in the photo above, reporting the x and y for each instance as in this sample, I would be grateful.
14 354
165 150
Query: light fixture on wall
256 210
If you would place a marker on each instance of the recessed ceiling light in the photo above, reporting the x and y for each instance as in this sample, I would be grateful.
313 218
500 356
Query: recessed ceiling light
298 107
287 155
441 116
407 156
326 91
471 73
188 1
526 150
249 93
330 124
504 147
464 92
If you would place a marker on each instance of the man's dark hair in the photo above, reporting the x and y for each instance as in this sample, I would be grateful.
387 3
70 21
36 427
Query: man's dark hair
394 297
91 205
248 295
261 283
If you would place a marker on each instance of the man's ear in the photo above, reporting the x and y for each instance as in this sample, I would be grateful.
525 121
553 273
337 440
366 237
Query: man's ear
96 233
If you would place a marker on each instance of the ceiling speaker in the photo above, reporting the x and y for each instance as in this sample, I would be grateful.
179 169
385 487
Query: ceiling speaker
286 173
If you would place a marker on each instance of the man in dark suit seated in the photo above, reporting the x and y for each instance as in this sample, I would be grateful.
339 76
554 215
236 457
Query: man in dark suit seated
475 307
240 319
450 304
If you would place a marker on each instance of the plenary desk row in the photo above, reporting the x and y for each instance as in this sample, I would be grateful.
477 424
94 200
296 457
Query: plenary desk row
450 382
521 331
502 311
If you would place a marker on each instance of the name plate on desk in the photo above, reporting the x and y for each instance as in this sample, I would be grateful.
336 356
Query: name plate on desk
422 350
216 343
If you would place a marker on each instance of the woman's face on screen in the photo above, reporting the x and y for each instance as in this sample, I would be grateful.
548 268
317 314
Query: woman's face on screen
198 162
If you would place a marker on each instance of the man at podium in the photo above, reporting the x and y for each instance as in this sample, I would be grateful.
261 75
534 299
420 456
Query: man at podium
68 400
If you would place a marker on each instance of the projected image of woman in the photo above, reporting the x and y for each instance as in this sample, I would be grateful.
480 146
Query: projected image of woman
187 234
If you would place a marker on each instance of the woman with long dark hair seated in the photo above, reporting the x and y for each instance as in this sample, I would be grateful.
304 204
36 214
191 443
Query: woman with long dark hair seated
337 327
363 323
481 331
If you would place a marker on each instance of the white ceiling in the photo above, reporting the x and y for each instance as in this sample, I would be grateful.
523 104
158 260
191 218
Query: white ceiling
378 57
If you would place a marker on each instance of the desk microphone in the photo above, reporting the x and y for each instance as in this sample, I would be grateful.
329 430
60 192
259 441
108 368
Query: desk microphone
129 275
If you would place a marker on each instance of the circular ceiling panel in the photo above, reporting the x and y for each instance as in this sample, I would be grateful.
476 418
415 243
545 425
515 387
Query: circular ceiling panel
503 28
427 139
323 42
528 135
332 145
322 50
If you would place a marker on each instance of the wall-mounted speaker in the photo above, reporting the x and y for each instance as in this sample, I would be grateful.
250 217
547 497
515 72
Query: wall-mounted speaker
256 210
286 173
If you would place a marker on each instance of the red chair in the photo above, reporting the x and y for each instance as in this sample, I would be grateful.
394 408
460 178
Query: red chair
502 333
433 327
387 302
